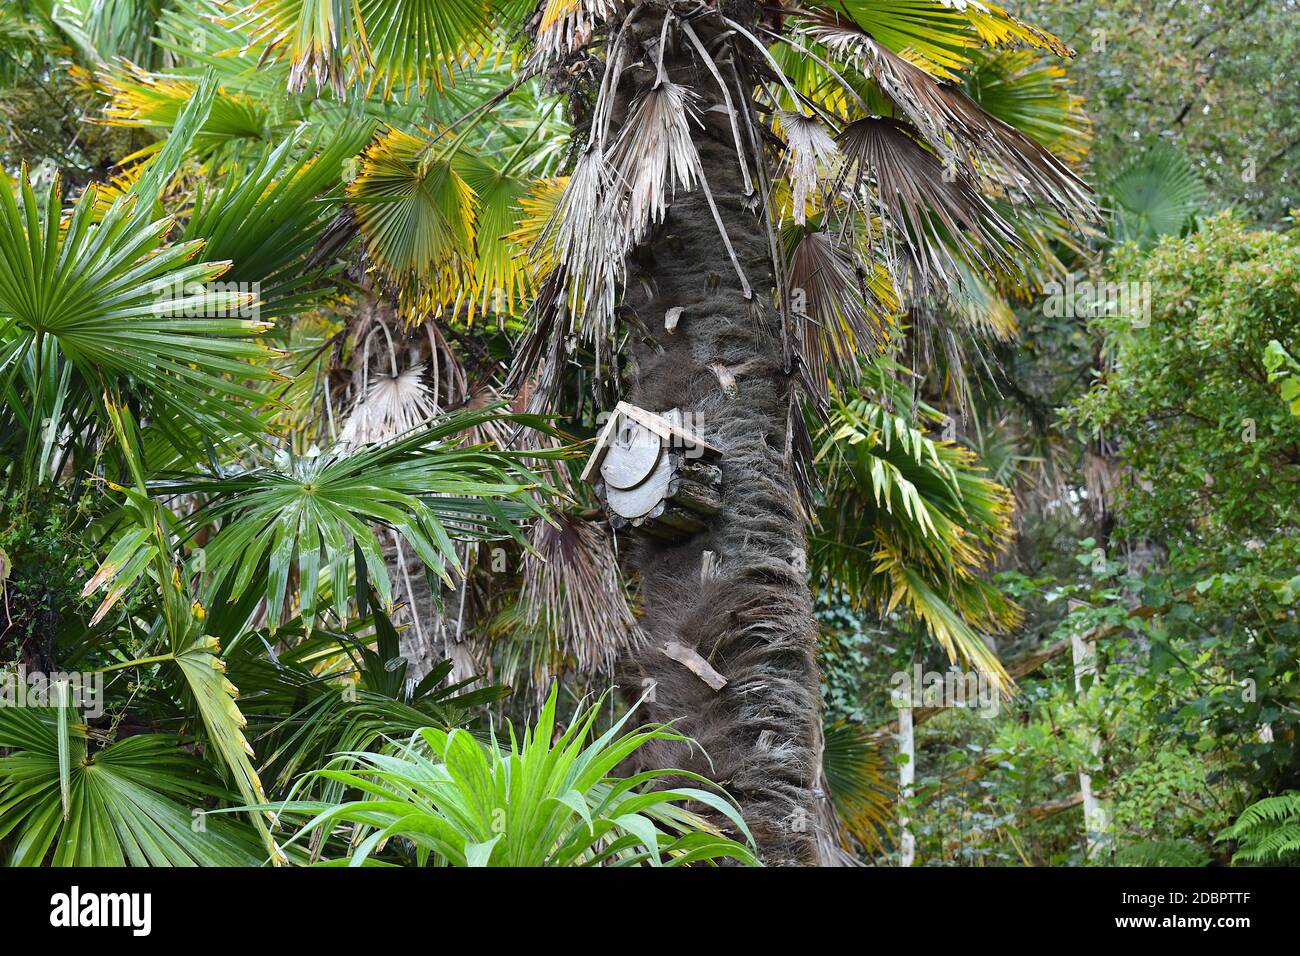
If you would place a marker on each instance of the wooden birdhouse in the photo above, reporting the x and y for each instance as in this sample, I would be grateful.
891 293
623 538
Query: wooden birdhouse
652 472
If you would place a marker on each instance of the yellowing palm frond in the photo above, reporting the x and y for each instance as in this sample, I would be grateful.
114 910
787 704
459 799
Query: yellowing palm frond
938 35
500 279
910 521
1034 96
153 101
860 780
417 218
537 208
377 43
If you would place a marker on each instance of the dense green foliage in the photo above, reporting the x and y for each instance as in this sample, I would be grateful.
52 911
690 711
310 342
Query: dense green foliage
275 289
1216 77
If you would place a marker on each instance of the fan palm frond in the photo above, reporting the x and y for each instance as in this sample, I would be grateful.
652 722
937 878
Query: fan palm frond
417 217
812 157
936 219
129 313
393 405
568 25
1156 193
374 43
320 509
654 154
860 781
1034 96
843 310
139 99
959 132
134 801
938 36
266 223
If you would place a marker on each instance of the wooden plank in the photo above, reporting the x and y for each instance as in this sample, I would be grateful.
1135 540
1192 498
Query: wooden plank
602 444
665 429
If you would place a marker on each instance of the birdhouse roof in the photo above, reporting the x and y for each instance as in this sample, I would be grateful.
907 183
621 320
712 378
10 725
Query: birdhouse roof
667 430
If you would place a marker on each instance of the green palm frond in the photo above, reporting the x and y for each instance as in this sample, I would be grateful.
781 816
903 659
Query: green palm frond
860 779
499 278
105 30
1157 193
129 313
439 212
1033 95
312 512
938 36
417 216
202 34
335 692
266 223
138 99
136 801
178 638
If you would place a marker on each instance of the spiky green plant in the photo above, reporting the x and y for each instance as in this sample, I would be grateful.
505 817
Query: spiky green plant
550 798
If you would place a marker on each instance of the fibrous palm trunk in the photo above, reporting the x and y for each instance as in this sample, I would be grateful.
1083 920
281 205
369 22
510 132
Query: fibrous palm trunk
746 607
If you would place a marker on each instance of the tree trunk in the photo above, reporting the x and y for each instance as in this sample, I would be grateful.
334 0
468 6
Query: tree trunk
747 609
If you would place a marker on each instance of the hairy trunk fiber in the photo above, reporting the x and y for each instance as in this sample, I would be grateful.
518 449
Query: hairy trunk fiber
746 608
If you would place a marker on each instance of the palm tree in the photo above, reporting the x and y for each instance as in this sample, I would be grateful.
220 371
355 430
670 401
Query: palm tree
757 196
707 128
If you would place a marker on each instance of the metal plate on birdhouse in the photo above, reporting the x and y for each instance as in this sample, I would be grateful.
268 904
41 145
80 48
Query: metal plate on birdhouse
634 454
637 502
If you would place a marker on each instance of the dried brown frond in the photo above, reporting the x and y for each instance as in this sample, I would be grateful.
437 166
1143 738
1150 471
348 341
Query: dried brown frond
957 129
567 26
587 237
811 158
934 217
838 313
573 591
391 406
654 154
